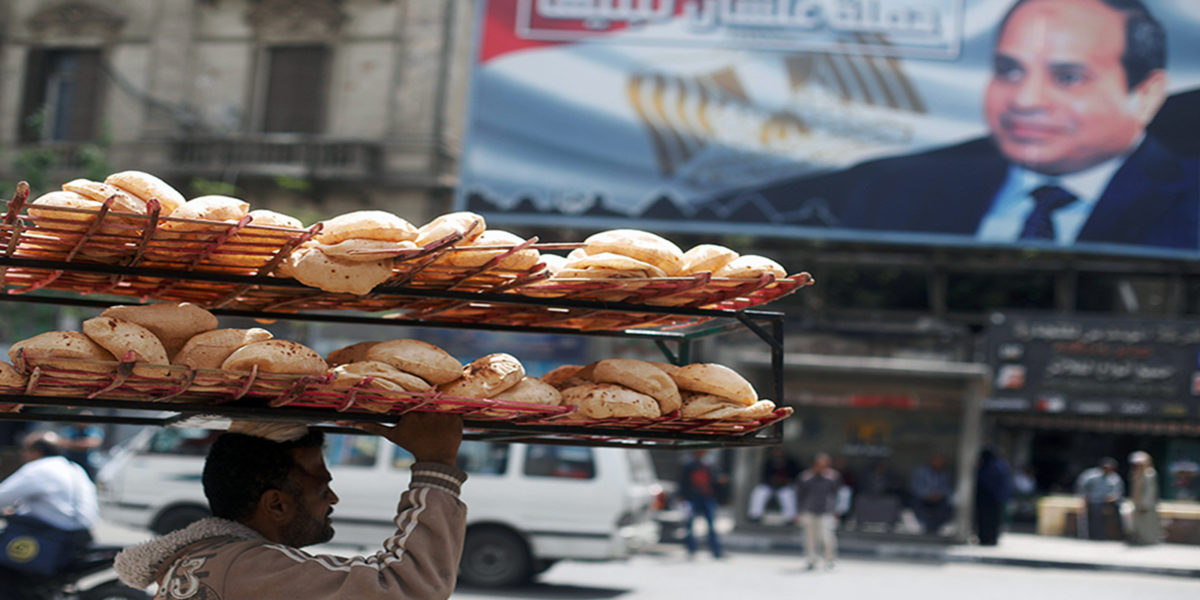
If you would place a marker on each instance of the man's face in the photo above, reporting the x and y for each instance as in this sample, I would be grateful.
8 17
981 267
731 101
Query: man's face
1058 101
309 486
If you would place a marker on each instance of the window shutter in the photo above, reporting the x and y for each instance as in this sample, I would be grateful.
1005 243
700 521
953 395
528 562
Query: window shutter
296 89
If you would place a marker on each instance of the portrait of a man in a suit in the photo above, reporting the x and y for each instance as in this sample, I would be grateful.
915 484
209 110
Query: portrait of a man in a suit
1074 85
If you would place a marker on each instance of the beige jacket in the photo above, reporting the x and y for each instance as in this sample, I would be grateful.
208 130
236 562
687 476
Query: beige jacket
218 559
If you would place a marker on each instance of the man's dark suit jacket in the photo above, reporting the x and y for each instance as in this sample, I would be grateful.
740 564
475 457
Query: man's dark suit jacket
1153 199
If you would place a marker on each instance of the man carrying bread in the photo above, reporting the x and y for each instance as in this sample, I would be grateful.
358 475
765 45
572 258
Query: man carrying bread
268 488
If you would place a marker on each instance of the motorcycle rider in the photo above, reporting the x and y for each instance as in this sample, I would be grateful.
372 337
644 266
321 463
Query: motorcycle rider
50 488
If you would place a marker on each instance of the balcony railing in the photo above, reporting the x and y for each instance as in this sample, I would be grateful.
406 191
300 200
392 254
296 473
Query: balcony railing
277 154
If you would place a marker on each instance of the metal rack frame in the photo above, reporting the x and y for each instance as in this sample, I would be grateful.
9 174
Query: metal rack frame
767 325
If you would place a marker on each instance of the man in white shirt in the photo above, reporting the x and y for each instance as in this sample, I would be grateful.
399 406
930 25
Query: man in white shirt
49 488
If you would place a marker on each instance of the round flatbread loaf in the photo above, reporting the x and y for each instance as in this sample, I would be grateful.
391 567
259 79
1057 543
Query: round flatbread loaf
352 353
706 258
516 261
609 265
750 266
468 224
608 400
207 208
359 250
101 192
553 262
276 356
366 225
564 377
642 245
718 380
121 337
486 376
699 406
382 376
146 186
640 376
310 266
531 390
72 221
10 377
59 349
419 358
270 218
209 350
173 323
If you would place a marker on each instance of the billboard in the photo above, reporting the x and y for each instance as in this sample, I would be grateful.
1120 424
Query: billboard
924 121
1100 366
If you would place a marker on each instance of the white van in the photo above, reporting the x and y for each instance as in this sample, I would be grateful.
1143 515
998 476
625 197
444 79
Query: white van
528 505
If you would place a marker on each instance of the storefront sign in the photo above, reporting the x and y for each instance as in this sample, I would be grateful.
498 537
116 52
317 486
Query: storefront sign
1094 366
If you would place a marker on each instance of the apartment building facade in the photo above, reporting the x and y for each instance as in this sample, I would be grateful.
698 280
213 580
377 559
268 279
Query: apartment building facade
312 106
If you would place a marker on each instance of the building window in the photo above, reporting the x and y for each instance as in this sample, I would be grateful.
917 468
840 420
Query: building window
62 95
569 462
295 100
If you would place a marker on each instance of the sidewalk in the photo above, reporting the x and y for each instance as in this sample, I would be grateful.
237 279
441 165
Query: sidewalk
1014 549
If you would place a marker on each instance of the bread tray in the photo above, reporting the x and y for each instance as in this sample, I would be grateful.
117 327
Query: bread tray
312 398
233 266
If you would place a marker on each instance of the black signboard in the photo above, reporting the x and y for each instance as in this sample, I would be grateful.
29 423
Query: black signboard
1094 366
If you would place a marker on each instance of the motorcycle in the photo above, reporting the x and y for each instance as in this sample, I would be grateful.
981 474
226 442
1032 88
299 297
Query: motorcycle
88 577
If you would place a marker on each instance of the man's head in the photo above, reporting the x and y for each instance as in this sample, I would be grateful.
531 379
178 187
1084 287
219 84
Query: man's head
280 489
1108 464
40 445
1074 82
821 461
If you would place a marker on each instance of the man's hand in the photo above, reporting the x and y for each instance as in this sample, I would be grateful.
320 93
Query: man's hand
430 437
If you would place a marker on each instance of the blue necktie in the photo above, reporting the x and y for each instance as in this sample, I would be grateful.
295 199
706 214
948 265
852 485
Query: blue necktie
1047 199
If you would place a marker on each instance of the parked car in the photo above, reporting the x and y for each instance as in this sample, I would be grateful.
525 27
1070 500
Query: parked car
529 505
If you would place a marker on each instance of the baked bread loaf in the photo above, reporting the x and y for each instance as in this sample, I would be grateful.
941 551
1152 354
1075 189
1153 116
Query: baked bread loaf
378 375
608 400
718 380
517 261
750 266
366 225
360 250
708 406
207 208
276 356
635 243
348 354
71 221
422 359
121 337
59 349
563 377
706 258
173 323
531 390
608 265
209 350
146 186
486 376
468 224
640 376
10 377
312 267
101 192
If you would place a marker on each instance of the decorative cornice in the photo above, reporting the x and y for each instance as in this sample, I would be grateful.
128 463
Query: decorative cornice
76 19
296 20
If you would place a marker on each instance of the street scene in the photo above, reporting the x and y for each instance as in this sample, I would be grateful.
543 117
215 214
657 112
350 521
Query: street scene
599 299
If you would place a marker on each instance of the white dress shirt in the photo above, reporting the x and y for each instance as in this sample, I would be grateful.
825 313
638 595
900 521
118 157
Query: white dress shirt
54 490
1013 203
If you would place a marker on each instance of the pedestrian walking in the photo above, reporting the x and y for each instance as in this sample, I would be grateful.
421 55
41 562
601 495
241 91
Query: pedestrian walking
1101 488
779 472
698 486
816 495
1145 528
993 487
